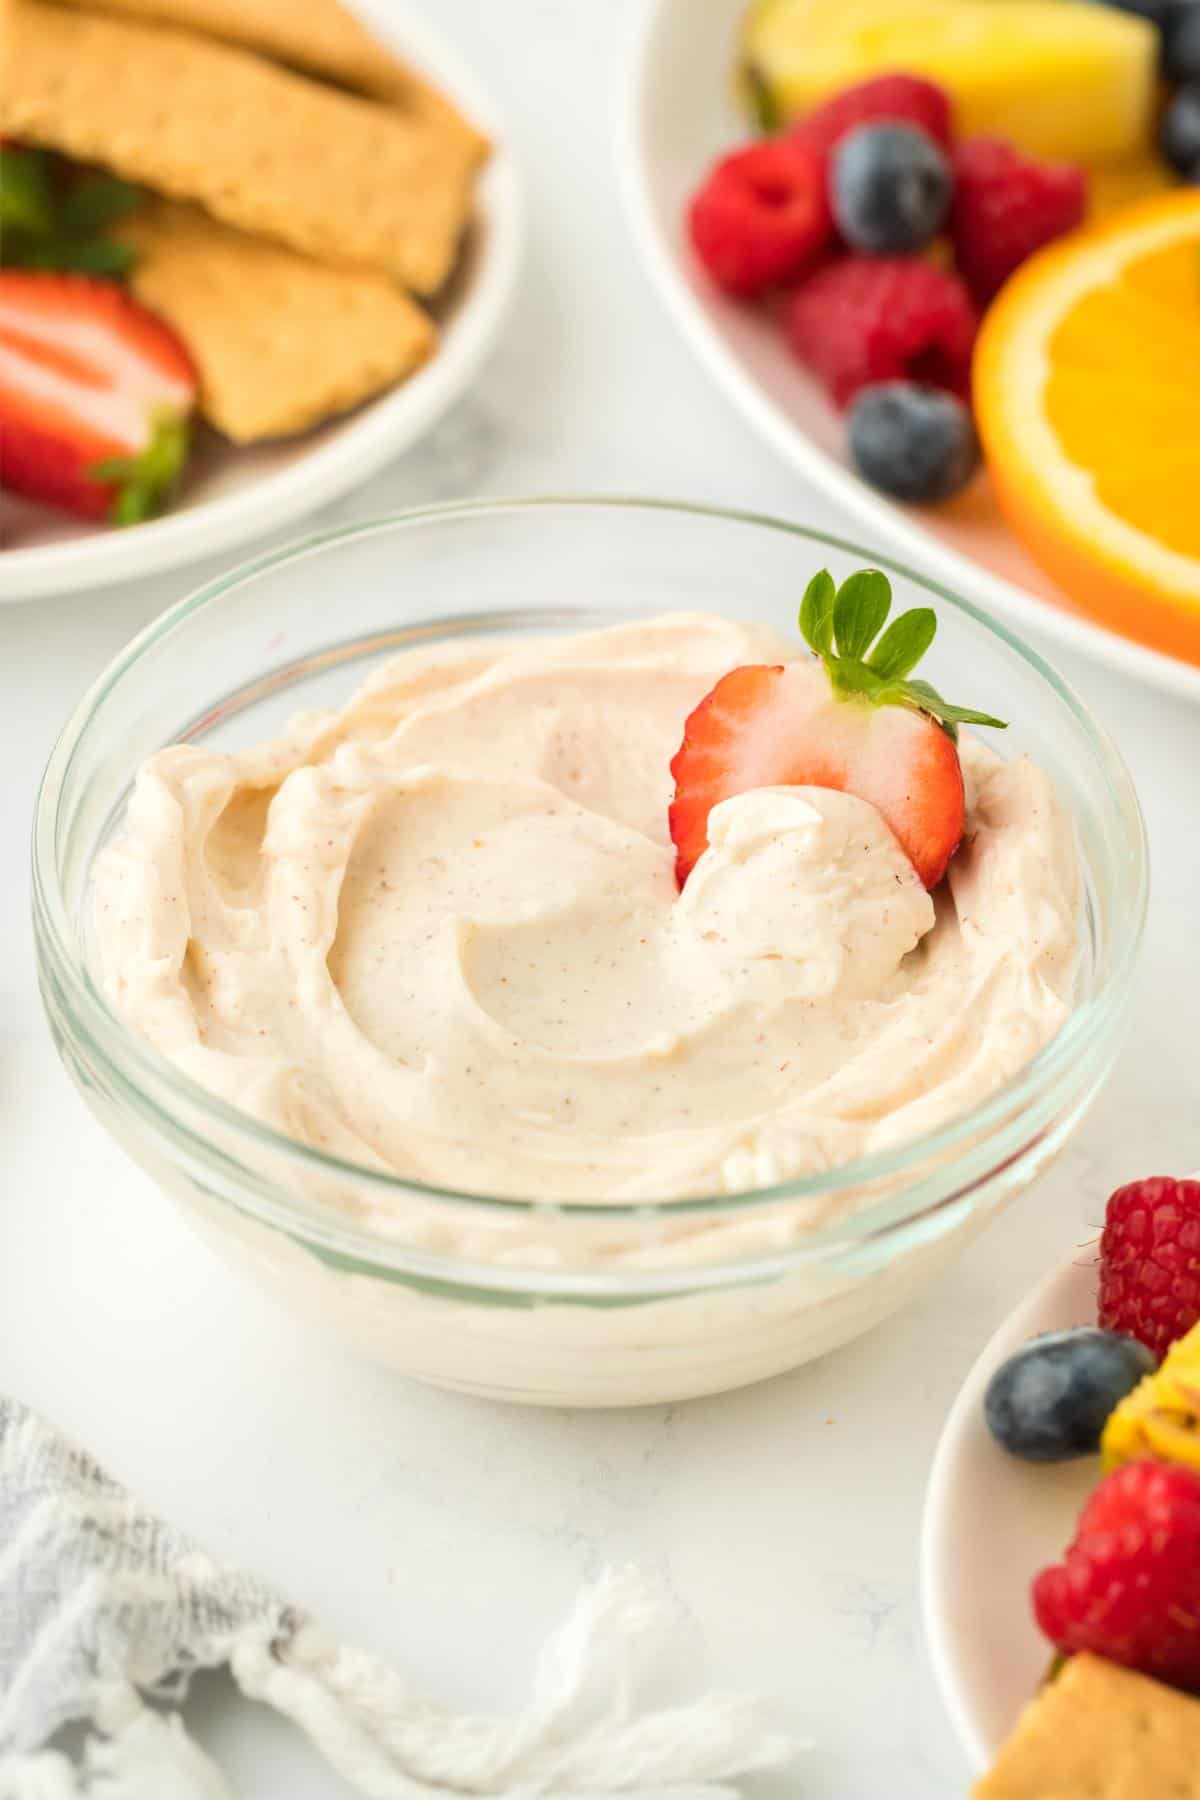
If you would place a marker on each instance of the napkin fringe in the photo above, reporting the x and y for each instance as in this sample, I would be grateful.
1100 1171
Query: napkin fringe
139 1754
582 1735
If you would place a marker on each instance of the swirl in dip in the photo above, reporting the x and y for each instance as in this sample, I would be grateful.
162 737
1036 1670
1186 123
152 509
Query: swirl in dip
439 933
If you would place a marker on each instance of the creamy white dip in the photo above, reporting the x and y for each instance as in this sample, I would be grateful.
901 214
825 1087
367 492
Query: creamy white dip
438 932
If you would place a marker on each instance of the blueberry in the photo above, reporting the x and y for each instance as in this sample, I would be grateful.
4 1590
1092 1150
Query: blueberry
1051 1400
1159 12
913 442
1179 133
1181 45
1164 15
889 188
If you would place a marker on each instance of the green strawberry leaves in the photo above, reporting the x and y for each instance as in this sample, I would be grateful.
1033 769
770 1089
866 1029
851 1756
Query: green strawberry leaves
904 643
761 101
863 602
842 623
96 203
816 613
53 217
25 193
144 483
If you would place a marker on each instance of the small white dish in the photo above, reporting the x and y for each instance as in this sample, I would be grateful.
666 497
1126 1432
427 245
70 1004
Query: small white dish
232 495
678 112
991 1522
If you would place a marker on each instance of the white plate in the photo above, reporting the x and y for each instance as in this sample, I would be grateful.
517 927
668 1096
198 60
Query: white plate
678 113
232 495
991 1522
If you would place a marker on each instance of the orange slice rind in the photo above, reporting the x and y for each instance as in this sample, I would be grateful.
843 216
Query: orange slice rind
1087 394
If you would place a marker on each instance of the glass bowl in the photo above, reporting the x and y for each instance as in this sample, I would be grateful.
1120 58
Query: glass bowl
531 1301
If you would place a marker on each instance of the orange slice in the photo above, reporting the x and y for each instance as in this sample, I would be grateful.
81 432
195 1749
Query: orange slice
1087 394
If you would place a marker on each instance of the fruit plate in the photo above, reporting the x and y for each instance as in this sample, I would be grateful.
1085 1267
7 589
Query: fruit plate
678 113
232 495
991 1522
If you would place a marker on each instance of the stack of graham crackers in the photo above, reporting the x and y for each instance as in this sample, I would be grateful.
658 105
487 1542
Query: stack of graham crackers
309 192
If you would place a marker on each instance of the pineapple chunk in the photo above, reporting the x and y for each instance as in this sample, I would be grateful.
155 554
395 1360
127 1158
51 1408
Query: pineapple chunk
1161 1417
1056 77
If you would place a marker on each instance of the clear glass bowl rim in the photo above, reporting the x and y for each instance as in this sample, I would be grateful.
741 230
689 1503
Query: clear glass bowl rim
128 1055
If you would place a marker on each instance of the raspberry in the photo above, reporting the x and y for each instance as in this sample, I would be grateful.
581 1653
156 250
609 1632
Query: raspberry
865 319
907 99
1129 1585
1150 1261
1006 206
762 216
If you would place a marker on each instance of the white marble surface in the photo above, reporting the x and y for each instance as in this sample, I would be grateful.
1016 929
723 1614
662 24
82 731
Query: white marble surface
442 1531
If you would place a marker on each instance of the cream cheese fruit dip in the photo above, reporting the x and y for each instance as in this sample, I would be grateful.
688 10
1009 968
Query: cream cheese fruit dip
439 932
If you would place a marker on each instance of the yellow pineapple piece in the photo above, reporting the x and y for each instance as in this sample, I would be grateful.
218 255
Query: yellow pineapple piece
1055 77
1161 1417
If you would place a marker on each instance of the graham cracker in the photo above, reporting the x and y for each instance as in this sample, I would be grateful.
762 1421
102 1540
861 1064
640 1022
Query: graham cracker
319 37
280 342
1099 1732
340 178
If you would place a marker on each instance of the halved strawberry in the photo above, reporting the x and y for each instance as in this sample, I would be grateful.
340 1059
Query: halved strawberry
850 720
95 397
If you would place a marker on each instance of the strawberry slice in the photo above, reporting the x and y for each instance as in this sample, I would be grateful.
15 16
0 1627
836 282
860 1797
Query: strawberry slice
851 720
95 397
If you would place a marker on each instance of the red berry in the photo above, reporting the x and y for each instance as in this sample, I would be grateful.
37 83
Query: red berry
762 216
865 319
1129 1585
1150 1261
94 392
769 726
1007 205
908 98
